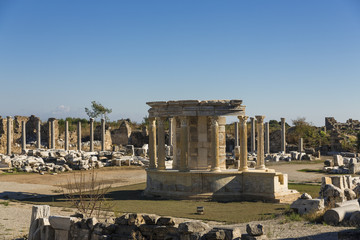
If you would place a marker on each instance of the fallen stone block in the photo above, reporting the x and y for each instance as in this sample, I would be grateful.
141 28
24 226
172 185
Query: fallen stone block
305 206
254 229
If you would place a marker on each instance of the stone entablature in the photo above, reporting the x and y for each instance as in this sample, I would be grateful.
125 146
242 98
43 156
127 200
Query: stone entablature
196 108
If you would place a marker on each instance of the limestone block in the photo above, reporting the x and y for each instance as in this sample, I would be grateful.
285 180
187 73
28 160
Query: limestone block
349 194
329 163
61 234
193 227
231 232
354 168
254 229
150 219
61 222
338 160
161 232
304 206
305 196
332 194
215 234
38 211
336 215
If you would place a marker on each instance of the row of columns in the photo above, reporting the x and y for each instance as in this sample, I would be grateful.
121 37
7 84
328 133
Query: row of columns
266 130
157 156
52 135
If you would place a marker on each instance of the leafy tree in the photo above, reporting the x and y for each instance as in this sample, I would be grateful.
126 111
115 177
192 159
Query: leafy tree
97 110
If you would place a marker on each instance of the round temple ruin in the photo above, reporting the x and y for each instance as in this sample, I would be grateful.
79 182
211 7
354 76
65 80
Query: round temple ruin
197 135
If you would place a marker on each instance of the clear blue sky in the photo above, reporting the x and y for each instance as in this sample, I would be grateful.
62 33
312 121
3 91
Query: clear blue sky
282 58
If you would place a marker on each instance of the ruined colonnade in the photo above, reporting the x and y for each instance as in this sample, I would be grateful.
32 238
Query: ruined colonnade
51 133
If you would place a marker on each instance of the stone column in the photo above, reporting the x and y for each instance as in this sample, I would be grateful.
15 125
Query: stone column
215 167
267 138
38 134
243 143
175 146
152 143
301 145
103 134
79 136
9 135
260 158
23 137
66 147
283 136
91 134
236 134
184 142
252 135
52 123
161 143
171 131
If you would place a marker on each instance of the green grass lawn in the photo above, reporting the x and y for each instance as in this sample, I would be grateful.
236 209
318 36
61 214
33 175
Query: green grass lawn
130 199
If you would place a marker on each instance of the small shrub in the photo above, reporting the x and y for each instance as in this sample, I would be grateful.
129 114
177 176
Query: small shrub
88 195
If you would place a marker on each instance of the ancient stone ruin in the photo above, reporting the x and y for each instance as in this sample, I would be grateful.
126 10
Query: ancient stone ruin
199 165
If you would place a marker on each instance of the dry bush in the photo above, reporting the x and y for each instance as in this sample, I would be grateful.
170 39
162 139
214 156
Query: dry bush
87 194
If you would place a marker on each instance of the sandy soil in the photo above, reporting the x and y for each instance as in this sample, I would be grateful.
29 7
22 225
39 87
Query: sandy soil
15 216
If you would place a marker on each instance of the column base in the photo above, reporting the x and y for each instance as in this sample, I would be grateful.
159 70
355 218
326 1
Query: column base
244 169
216 169
261 167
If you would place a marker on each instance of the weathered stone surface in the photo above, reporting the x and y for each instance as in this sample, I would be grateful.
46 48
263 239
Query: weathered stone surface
61 222
215 234
338 160
254 229
231 232
305 196
355 219
150 219
336 215
192 227
38 211
329 163
349 194
305 206
332 194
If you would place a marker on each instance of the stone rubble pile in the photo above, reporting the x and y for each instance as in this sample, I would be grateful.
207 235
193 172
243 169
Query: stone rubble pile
340 195
39 161
132 226
345 163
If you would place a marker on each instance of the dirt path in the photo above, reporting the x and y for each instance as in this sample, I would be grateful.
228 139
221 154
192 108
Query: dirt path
21 186
294 175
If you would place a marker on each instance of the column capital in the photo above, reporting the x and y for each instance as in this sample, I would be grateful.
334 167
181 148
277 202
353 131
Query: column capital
9 117
260 119
214 120
243 118
91 119
161 120
282 120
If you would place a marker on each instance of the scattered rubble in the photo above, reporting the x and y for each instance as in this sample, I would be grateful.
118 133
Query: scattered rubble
40 161
132 226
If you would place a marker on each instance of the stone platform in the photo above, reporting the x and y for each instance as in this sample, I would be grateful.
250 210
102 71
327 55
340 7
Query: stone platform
228 185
